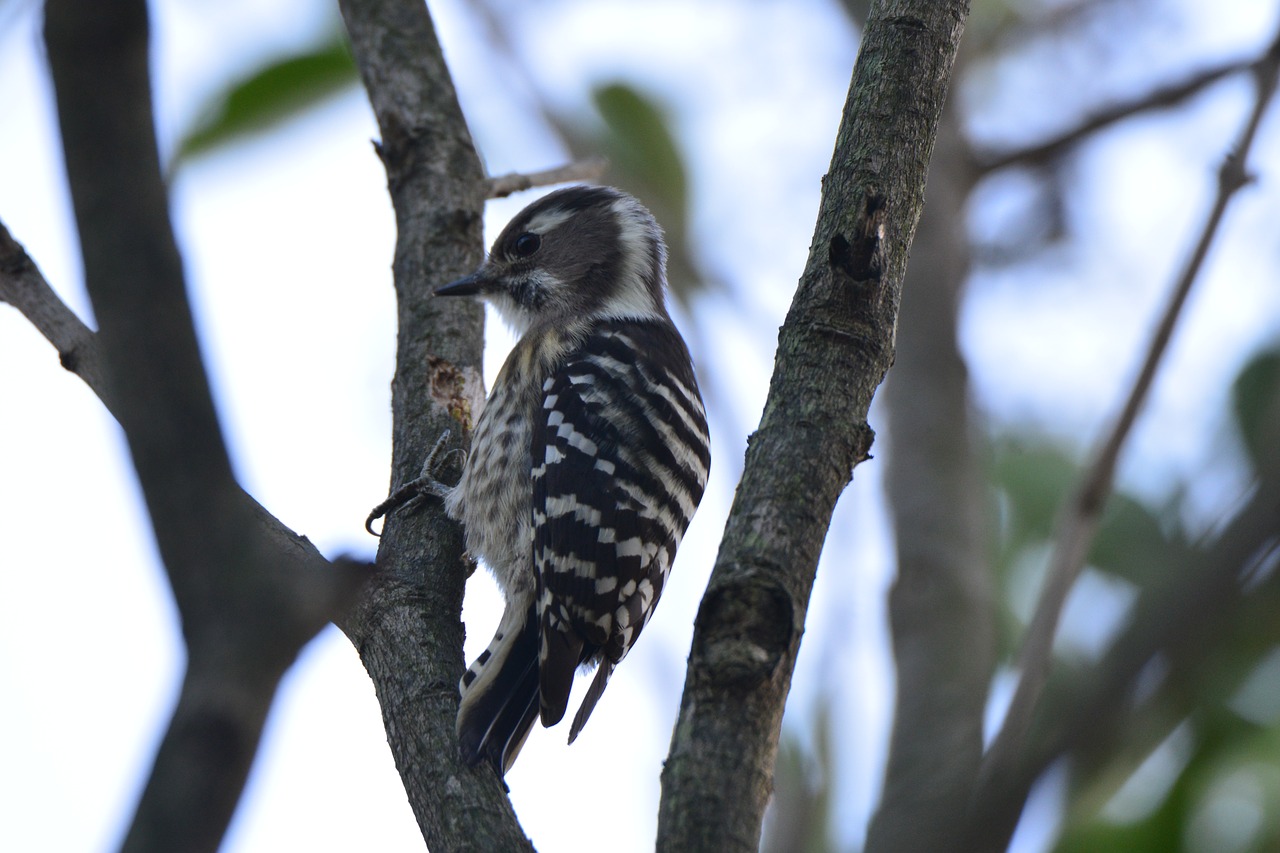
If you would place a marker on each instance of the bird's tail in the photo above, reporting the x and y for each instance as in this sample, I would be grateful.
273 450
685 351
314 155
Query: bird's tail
500 693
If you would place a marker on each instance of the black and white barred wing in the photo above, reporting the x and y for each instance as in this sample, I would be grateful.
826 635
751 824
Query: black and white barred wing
620 459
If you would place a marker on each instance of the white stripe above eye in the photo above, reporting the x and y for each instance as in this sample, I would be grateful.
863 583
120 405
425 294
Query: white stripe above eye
548 220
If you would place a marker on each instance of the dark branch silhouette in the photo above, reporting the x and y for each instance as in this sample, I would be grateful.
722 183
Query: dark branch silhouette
1162 97
250 592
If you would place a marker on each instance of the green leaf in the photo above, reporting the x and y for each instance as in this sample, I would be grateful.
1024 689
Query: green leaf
645 159
642 147
1256 397
1131 542
270 96
1036 480
1033 480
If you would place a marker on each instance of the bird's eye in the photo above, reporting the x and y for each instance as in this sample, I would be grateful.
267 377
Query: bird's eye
527 243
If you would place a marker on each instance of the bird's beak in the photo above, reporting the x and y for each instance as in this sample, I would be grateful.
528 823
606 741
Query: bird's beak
470 285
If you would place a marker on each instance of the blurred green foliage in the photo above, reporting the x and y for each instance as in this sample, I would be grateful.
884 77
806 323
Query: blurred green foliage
645 159
271 95
1217 789
641 146
1224 795
1256 398
804 803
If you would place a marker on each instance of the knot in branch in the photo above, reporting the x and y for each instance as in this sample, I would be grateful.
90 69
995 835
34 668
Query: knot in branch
746 626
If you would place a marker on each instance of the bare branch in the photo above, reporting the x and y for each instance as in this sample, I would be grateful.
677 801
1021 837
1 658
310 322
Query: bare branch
1160 98
590 170
24 287
1026 22
1080 517
407 629
833 352
250 592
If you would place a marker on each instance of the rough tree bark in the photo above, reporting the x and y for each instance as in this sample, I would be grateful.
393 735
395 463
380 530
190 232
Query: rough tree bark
833 351
406 628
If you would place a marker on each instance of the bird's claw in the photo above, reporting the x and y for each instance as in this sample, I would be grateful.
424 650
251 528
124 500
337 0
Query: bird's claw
413 494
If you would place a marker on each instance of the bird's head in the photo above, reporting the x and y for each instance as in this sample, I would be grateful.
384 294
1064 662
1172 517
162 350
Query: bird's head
585 252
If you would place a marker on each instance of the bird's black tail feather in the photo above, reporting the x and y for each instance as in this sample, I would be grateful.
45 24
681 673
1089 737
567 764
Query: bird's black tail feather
500 694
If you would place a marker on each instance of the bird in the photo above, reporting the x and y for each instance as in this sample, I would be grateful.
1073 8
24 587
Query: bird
587 461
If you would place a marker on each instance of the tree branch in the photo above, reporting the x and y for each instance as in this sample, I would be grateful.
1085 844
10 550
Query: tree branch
250 592
941 606
833 352
407 629
24 287
1160 98
591 169
1080 517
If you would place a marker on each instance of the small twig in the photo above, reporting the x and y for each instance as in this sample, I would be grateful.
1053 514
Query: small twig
1081 515
24 287
1161 98
590 169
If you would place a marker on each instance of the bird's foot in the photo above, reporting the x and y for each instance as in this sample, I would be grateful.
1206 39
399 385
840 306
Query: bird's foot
412 495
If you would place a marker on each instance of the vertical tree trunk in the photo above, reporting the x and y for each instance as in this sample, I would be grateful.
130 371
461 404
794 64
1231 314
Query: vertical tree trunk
941 606
833 352
407 629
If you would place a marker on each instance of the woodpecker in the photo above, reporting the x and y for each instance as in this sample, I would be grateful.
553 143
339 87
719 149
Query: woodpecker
587 461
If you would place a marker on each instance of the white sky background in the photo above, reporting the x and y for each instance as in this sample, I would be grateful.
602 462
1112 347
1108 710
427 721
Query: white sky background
288 243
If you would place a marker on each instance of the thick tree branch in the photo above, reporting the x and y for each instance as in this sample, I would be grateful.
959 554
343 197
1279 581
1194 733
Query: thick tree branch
833 352
407 628
1079 520
941 607
328 591
250 592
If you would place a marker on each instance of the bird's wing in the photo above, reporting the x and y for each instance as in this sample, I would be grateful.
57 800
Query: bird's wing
620 458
